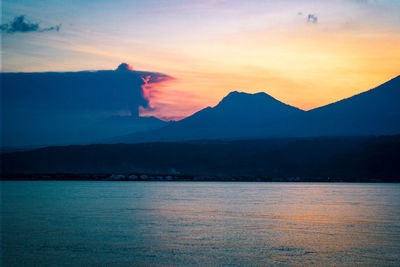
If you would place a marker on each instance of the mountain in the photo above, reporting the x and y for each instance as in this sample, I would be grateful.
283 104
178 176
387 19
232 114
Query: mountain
374 112
242 115
237 115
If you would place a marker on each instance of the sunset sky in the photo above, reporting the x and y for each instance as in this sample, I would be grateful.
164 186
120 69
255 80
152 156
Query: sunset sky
305 53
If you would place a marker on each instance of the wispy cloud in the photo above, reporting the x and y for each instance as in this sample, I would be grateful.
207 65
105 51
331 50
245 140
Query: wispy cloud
312 18
19 24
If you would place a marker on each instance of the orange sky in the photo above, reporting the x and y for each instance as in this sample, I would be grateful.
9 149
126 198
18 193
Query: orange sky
303 70
214 47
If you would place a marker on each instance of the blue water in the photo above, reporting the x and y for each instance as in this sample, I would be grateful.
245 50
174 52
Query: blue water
199 224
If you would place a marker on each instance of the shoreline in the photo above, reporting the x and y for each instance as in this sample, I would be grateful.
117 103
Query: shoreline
137 177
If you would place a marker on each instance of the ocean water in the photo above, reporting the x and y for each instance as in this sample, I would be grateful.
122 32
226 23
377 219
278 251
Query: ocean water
79 223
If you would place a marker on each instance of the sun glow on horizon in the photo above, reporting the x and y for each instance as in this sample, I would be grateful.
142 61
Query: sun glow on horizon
214 47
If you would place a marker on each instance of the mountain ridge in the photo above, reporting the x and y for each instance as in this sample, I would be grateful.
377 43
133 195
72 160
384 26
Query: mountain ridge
372 112
214 121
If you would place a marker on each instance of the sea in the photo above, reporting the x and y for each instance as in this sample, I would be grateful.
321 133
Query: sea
111 223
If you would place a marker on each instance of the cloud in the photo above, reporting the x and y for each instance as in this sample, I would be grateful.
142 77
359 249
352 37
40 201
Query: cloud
60 104
151 88
124 67
312 18
85 91
19 24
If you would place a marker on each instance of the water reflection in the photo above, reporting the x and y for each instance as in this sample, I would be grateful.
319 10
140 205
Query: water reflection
150 223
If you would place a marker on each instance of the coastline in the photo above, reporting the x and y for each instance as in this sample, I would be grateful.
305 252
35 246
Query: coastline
137 177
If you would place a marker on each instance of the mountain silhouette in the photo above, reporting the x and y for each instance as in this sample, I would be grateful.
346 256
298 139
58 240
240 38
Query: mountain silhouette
374 112
243 115
237 115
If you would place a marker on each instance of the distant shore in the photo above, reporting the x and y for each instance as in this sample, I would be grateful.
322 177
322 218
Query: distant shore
319 159
179 177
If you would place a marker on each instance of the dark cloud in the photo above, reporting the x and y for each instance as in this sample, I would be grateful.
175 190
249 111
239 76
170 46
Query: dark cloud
312 18
60 105
19 24
124 67
85 91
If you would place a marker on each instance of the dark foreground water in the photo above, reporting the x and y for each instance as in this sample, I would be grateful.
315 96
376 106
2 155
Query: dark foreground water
205 224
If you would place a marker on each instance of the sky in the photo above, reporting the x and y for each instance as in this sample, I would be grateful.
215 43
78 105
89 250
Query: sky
306 53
